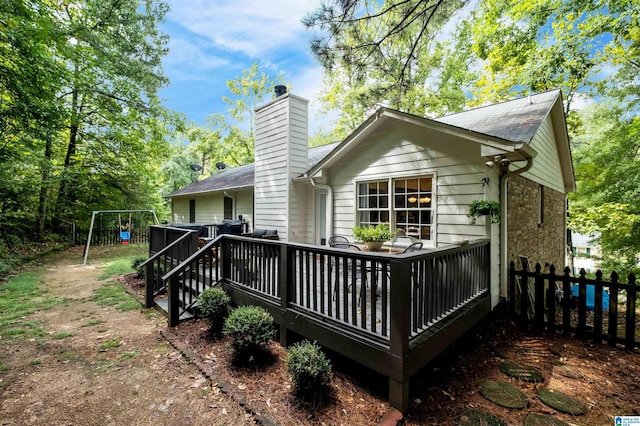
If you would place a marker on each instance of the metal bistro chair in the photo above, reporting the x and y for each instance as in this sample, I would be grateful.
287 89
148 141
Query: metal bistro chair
414 246
341 242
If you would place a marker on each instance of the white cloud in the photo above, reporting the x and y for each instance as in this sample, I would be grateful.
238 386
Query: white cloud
189 60
247 26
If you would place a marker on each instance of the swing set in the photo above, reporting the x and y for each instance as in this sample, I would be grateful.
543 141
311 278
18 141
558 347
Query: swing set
125 233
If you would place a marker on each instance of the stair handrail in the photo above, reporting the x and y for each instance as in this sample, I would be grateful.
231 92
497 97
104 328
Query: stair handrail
197 255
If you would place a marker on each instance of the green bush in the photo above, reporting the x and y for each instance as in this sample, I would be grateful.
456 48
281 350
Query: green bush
214 307
251 329
309 369
140 271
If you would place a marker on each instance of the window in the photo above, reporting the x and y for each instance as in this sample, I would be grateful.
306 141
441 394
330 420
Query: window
411 209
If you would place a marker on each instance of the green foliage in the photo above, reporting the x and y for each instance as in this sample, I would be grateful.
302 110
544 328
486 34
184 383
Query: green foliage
479 208
81 125
380 232
605 204
113 294
140 271
388 53
251 329
309 369
214 306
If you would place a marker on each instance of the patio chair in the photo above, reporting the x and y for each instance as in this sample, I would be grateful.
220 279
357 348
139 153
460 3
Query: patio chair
338 241
413 247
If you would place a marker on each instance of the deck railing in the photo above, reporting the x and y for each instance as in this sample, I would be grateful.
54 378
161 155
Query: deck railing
546 300
382 310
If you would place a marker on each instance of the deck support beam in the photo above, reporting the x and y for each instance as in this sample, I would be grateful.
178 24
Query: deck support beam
399 394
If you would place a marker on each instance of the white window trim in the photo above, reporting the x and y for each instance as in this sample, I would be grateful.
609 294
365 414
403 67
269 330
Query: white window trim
400 175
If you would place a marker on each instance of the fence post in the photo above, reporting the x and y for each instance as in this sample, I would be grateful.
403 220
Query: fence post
551 299
613 310
582 304
539 295
630 326
597 309
566 301
512 288
524 297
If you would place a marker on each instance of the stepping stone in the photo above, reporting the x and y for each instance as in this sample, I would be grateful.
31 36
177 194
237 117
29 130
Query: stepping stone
471 417
542 420
561 402
569 372
526 373
504 394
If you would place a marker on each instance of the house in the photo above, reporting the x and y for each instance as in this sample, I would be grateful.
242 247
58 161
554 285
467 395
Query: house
418 174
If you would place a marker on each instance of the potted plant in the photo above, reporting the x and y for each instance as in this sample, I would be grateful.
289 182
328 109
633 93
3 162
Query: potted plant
479 208
373 236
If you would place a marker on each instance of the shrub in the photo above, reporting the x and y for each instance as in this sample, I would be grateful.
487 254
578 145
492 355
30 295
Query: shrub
140 271
214 306
251 329
309 369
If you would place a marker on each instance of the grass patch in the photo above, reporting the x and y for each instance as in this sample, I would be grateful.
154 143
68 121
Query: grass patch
92 322
129 354
35 362
110 344
112 294
118 266
20 297
4 367
62 335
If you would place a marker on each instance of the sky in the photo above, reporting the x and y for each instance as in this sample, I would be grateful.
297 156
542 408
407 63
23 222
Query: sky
213 41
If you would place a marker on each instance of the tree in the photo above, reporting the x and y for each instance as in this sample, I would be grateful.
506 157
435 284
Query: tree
389 54
607 160
532 46
229 138
113 116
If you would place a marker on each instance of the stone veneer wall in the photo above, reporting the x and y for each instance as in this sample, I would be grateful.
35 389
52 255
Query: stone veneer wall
540 242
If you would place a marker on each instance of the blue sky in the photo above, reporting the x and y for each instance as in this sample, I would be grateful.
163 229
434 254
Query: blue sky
213 41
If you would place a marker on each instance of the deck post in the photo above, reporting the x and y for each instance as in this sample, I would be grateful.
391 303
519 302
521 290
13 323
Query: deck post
400 329
283 284
149 287
173 301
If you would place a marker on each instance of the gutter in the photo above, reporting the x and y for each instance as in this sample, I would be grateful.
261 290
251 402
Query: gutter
503 223
329 206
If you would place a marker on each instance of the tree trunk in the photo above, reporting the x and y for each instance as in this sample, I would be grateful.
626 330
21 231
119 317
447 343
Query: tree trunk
44 188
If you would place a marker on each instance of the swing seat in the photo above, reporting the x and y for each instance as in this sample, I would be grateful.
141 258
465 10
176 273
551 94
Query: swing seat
125 237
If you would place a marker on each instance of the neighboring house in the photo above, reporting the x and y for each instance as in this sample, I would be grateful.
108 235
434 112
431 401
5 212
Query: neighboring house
586 253
418 174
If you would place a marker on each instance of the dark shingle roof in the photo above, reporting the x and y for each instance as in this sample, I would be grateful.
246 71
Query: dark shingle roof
241 176
516 120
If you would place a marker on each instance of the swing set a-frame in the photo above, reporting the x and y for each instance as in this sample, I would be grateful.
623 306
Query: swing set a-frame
124 235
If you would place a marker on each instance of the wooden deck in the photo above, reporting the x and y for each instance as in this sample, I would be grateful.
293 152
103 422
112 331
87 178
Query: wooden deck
391 313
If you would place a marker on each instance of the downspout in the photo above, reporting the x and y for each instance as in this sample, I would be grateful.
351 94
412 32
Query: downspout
329 206
503 223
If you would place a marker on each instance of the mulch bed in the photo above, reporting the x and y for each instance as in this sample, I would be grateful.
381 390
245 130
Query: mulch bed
606 379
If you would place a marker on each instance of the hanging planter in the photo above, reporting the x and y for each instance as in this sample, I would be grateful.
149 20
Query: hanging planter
479 208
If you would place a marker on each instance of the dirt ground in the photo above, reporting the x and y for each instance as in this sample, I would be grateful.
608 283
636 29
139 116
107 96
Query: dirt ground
184 375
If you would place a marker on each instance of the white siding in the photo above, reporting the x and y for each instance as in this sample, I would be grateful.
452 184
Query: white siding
457 167
546 168
210 207
281 154
456 164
